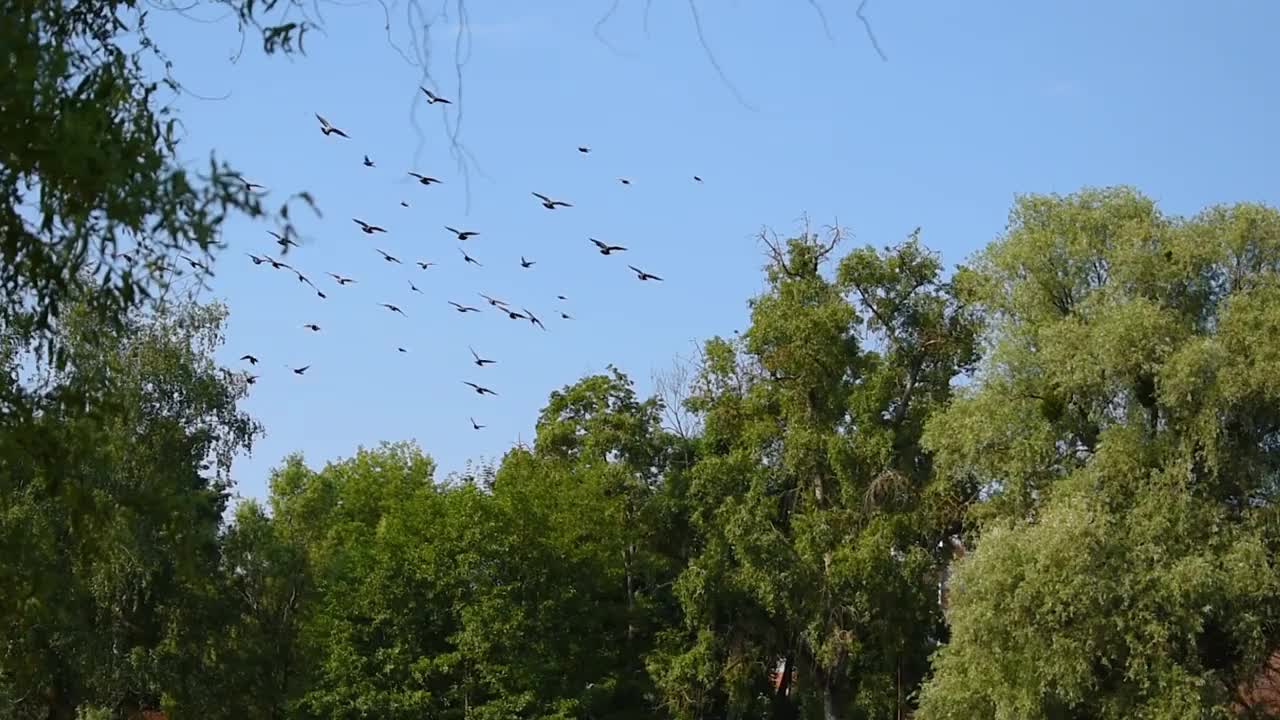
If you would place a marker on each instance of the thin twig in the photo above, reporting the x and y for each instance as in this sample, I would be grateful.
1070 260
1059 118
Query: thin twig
870 34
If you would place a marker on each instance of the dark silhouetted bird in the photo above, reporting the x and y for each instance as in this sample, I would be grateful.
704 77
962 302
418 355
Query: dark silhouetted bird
643 275
301 370
468 258
251 379
533 319
312 327
527 263
565 316
479 361
583 149
414 288
480 390
392 308
424 264
253 360
404 204
494 301
368 229
256 260
512 314
550 204
695 177
329 129
368 162
425 180
462 234
624 181
341 280
402 350
250 185
433 98
463 308
282 241
277 265
388 257
605 248
474 425
195 264
561 297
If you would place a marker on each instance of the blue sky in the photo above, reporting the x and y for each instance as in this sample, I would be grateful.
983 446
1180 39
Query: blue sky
977 102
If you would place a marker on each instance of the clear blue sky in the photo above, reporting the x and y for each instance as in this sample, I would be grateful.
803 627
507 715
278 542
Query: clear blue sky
977 102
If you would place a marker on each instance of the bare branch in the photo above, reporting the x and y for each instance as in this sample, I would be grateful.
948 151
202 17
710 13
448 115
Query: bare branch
702 40
870 33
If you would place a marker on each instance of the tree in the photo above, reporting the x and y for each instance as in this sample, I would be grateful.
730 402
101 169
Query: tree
111 514
1122 437
815 531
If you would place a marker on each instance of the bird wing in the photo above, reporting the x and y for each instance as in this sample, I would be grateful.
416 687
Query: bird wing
452 230
637 270
542 197
616 247
322 120
598 243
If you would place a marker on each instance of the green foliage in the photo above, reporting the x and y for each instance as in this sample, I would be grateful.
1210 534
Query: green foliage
1123 433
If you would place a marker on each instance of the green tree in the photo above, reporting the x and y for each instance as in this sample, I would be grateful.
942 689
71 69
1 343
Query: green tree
816 525
110 513
1122 435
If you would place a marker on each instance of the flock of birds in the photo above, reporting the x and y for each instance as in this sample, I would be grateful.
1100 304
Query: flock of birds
463 236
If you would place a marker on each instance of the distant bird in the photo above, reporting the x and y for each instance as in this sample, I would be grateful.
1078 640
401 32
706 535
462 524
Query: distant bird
301 370
533 319
565 316
463 308
312 327
644 275
424 264
304 279
468 258
249 185
341 280
462 234
480 390
479 361
526 264
425 180
606 249
561 297
513 314
433 98
474 425
550 204
388 257
253 360
276 264
414 288
402 350
251 379
392 308
695 177
195 264
367 228
493 301
281 240
584 150
368 162
404 204
328 129
624 181
256 260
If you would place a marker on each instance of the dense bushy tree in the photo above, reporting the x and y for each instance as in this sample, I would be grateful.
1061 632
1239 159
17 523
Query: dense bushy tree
1123 433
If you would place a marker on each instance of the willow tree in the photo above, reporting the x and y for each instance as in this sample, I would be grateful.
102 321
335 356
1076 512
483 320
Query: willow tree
1123 434
818 532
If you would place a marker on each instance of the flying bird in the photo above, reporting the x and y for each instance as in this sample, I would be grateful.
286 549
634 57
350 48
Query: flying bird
474 425
251 379
195 264
479 361
695 177
424 264
250 185
312 327
624 181
301 370
533 319
276 264
368 162
605 248
367 228
513 314
493 301
282 241
256 260
341 280
526 264
252 359
404 204
414 288
392 308
425 180
462 234
561 297
402 350
389 257
550 204
328 129
480 390
433 98
583 149
468 258
463 308
643 275
565 316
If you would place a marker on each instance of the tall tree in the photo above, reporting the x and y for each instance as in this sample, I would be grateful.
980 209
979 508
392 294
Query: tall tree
111 516
811 498
1122 437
